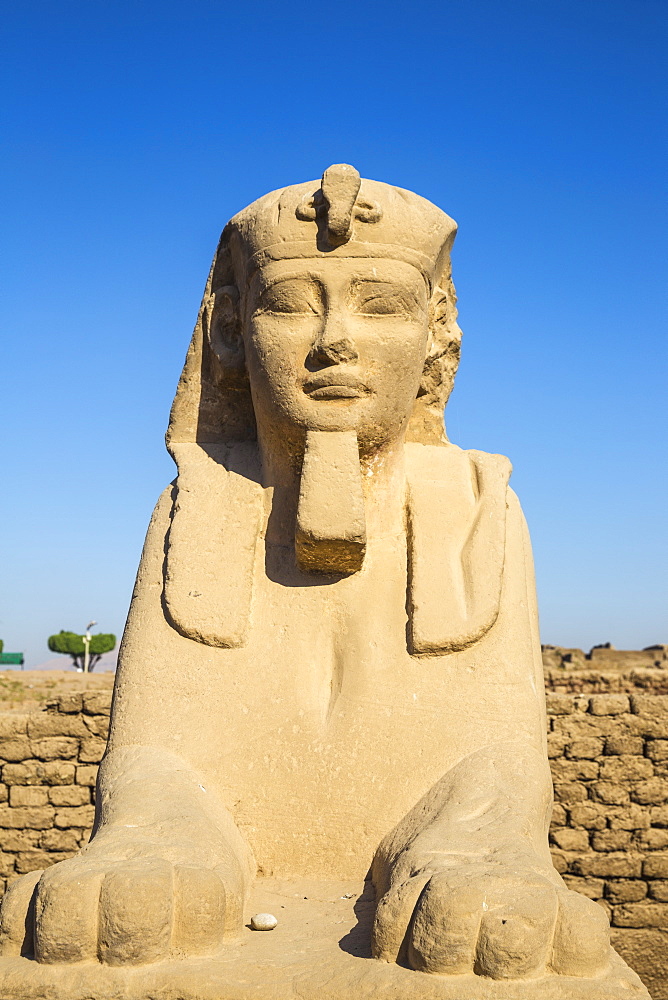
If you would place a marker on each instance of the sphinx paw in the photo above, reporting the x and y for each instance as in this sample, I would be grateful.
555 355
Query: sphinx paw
504 926
121 912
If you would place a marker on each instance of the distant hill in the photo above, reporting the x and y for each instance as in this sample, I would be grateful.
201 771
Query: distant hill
107 663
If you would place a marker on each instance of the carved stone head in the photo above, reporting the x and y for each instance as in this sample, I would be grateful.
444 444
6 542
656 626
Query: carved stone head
328 307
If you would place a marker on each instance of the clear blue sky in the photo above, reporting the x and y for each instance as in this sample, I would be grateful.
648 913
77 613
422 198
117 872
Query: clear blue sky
133 130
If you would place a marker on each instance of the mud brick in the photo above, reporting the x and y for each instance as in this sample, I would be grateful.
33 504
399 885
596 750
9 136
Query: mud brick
559 860
589 815
87 775
631 817
574 770
64 841
55 748
16 749
658 815
69 704
654 791
97 702
49 724
561 704
610 840
590 887
608 865
69 795
633 745
586 749
610 793
655 866
651 705
7 864
32 861
626 768
608 704
570 791
651 840
98 725
28 795
658 891
559 817
657 750
625 890
646 914
571 840
556 742
82 816
92 750
36 773
12 725
30 817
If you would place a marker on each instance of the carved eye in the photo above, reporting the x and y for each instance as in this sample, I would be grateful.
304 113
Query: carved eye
292 297
380 298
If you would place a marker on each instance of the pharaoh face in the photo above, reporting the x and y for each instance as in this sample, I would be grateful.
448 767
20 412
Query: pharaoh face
336 345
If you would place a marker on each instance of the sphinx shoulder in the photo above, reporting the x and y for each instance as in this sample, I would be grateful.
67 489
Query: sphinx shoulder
457 517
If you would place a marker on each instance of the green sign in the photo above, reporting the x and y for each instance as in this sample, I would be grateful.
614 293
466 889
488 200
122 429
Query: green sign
16 658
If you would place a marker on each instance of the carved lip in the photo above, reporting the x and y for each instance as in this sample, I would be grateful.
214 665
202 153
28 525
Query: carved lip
332 384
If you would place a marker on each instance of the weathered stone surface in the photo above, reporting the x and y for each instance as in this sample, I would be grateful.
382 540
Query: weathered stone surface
330 668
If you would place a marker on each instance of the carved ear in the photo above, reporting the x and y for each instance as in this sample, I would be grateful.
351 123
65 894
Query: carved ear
443 351
222 324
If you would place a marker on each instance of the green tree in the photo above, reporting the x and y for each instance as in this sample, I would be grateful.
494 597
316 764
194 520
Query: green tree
73 645
2 645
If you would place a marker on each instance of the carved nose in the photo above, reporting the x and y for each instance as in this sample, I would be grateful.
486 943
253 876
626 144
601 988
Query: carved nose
333 352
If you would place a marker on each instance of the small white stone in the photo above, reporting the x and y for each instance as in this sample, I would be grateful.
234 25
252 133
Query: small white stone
263 922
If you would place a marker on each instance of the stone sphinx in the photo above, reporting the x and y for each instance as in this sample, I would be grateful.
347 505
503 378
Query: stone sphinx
329 701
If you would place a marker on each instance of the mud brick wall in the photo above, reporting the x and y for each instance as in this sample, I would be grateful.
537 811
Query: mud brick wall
609 834
49 763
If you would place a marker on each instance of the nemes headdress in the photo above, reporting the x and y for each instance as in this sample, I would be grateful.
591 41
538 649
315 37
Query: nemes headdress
218 504
342 216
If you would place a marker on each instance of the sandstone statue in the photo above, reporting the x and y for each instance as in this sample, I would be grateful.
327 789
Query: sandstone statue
331 673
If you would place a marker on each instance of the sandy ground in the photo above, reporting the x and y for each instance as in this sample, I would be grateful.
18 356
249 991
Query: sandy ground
29 690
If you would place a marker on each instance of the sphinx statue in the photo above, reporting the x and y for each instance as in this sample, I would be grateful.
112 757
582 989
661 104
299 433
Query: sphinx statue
329 702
